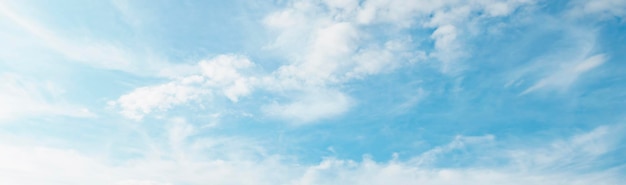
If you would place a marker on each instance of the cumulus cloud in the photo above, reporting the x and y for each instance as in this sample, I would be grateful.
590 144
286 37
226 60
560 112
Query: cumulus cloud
145 100
233 77
328 43
451 21
332 42
562 161
224 71
221 74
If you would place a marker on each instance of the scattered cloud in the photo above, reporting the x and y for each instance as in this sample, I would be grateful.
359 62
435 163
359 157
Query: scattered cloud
219 74
323 48
459 142
541 163
145 100
579 152
330 43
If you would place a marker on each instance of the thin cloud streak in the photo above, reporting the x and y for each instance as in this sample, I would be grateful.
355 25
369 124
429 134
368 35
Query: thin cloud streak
551 162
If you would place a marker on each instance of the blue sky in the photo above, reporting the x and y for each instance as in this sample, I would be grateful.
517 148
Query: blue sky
310 92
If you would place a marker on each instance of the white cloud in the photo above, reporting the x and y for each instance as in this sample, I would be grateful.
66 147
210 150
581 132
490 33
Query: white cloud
563 161
447 45
567 75
145 100
21 97
329 43
304 26
602 8
413 98
376 60
330 46
309 107
452 20
222 73
577 152
179 131
564 167
459 142
560 67
372 173
94 52
51 166
233 76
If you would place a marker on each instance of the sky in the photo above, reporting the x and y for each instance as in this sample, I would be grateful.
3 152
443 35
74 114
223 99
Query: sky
312 92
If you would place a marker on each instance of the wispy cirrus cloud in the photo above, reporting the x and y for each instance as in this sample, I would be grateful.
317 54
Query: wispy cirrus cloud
24 97
574 54
567 75
565 161
93 51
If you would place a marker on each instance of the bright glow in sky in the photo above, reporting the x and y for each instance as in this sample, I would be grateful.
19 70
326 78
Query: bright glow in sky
313 92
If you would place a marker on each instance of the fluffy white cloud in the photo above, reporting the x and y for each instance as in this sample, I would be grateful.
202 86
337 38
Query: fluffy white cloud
328 46
451 20
563 161
162 97
224 71
329 43
234 77
219 74
332 41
